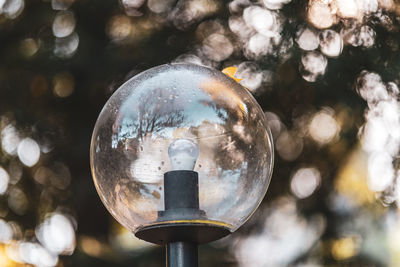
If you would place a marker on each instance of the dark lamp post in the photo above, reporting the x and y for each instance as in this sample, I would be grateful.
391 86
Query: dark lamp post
181 155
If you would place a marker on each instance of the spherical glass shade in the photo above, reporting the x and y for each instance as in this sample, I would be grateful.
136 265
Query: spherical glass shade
205 120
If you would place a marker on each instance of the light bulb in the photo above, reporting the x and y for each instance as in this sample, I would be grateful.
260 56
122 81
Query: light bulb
183 154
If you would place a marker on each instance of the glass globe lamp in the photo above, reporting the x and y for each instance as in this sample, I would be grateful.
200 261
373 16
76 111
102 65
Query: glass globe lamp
181 152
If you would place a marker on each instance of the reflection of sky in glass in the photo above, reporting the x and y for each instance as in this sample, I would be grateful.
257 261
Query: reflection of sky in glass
167 103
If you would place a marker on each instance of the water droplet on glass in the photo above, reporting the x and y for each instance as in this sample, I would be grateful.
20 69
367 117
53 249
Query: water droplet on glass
156 194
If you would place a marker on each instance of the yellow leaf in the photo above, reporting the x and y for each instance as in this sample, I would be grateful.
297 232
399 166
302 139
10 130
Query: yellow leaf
230 72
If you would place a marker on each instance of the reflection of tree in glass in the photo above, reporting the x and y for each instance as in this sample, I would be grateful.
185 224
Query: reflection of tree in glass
150 116
229 142
142 118
237 143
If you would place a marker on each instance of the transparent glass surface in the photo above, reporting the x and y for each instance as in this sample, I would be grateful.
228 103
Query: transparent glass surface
129 149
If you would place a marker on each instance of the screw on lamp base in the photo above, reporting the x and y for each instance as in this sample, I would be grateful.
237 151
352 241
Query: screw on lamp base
181 190
181 199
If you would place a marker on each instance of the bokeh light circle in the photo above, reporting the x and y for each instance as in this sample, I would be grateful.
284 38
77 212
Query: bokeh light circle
28 152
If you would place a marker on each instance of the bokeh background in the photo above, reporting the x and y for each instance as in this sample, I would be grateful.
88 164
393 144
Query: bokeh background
326 73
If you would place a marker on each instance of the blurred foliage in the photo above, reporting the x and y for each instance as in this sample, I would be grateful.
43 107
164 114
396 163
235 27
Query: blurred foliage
324 71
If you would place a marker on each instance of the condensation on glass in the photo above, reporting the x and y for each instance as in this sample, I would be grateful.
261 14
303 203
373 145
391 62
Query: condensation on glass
129 149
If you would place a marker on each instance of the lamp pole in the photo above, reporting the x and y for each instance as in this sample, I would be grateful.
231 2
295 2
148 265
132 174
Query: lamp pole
182 254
